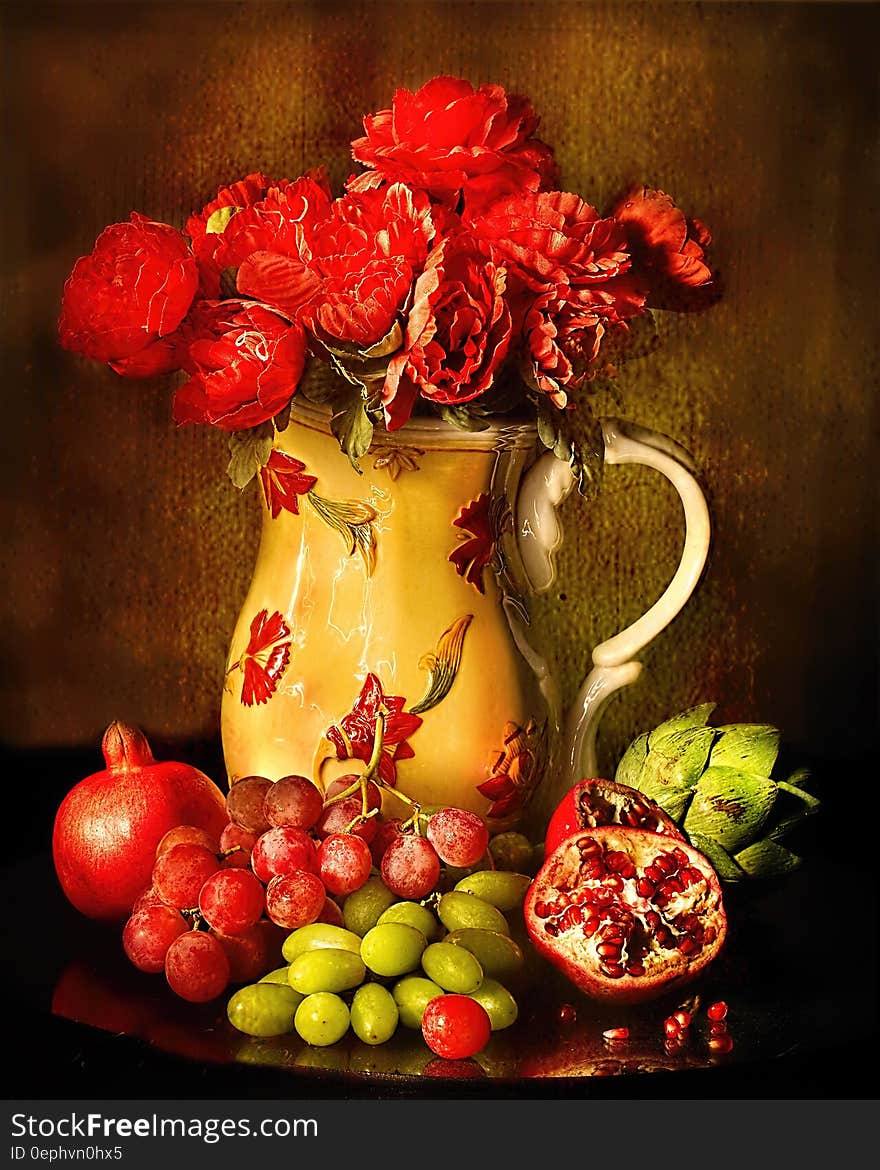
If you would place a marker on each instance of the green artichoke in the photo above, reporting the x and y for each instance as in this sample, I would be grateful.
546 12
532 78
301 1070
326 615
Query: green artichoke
716 785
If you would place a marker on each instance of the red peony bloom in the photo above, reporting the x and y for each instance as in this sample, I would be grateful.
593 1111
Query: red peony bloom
256 214
561 338
457 334
668 249
554 238
245 372
135 287
451 140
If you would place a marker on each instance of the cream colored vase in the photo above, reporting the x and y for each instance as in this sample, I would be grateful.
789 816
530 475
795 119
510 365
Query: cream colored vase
405 589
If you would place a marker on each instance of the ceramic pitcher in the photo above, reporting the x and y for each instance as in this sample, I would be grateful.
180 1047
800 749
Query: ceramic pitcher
405 589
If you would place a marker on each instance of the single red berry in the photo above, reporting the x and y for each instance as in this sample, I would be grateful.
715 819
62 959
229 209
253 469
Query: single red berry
456 1026
344 862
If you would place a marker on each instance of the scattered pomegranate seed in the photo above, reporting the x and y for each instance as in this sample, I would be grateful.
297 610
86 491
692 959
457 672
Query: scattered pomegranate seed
683 1018
717 1011
721 1043
616 1034
672 1027
718 1028
567 1013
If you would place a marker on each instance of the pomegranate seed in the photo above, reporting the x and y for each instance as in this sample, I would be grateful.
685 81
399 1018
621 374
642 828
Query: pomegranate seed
613 882
671 1027
718 1028
613 970
666 862
709 934
683 1017
680 856
567 1013
590 927
542 910
644 888
654 874
672 885
609 950
721 1044
717 1011
688 945
616 1034
635 968
652 918
572 917
630 818
551 928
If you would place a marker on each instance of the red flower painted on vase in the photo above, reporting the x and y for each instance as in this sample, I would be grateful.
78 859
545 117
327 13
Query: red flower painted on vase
283 482
354 736
476 552
265 658
515 771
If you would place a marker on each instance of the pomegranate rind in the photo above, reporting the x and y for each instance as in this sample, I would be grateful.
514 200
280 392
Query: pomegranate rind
575 955
605 796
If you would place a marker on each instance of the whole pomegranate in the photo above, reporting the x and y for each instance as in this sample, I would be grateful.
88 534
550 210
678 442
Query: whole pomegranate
626 914
596 801
109 825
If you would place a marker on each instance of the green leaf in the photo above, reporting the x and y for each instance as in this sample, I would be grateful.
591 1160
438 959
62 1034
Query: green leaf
752 747
574 436
724 865
765 859
463 418
353 431
800 778
250 450
218 220
730 806
676 760
229 283
631 762
281 421
807 806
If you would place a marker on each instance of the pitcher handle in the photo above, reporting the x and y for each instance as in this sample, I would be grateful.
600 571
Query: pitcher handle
543 489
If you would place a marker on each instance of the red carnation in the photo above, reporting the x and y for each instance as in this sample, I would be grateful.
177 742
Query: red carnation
450 139
135 287
245 372
457 334
668 249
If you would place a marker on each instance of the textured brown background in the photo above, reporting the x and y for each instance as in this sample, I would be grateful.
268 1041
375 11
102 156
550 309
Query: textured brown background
126 552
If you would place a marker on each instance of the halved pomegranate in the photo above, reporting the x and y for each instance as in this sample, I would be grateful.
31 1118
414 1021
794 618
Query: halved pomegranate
626 914
596 802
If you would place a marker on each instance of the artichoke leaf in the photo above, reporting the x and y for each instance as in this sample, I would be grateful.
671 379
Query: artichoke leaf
800 778
751 747
808 806
675 801
724 865
730 806
630 766
693 717
765 859
675 761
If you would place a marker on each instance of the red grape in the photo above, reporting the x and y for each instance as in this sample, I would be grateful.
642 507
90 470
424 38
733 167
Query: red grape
338 817
295 899
344 862
186 835
386 831
410 866
283 850
232 900
248 954
149 933
294 801
374 792
455 1026
245 803
150 897
236 845
460 837
179 874
196 966
331 913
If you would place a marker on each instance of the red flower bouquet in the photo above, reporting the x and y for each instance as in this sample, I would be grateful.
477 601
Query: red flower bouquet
452 277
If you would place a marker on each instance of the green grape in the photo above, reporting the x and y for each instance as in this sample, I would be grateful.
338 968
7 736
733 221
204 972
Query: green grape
279 975
499 1003
322 1019
393 948
317 936
263 1009
512 851
374 1014
503 890
454 968
457 911
326 970
500 957
361 909
412 994
412 914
